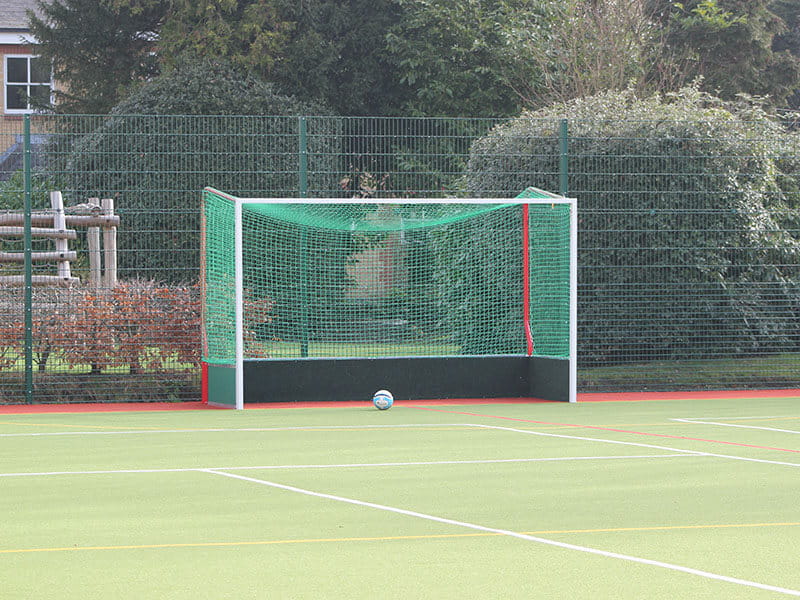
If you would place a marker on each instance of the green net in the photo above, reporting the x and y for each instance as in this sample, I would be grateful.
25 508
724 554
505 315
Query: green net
389 279
219 281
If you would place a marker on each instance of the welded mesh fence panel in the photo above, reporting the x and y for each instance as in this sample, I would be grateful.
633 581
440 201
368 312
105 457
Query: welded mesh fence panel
391 157
691 256
689 246
688 233
12 381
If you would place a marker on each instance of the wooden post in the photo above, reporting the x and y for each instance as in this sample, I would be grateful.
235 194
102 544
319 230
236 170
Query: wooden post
109 245
60 223
93 241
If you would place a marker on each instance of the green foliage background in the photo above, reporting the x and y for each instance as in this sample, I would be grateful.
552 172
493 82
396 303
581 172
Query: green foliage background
199 125
688 219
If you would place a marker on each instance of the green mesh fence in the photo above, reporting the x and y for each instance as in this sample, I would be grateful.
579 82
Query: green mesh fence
366 279
689 235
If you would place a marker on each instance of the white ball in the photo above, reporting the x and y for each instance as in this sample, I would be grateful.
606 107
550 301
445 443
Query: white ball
383 399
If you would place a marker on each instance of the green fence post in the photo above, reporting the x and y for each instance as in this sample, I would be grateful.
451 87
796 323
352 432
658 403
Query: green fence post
303 190
303 155
563 165
27 249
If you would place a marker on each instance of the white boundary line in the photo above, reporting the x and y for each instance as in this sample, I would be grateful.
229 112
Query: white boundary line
521 536
432 425
640 445
351 465
695 421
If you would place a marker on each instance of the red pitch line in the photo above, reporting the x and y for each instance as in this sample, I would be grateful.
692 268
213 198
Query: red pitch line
661 435
704 395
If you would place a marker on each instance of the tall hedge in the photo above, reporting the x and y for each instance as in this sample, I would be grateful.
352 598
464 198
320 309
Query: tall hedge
689 229
201 124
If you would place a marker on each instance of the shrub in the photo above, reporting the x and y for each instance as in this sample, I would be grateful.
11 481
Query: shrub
688 220
202 124
139 324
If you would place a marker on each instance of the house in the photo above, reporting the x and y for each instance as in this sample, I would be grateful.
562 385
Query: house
23 76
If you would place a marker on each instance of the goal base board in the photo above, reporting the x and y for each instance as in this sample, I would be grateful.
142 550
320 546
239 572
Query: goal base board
408 378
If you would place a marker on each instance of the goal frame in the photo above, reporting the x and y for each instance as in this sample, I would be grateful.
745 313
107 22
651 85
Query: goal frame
502 366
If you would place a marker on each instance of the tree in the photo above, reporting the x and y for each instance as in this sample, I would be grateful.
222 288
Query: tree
729 43
454 56
585 47
492 57
331 51
789 40
339 56
98 51
252 34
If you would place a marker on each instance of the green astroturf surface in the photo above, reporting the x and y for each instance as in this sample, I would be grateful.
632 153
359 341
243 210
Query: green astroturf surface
186 505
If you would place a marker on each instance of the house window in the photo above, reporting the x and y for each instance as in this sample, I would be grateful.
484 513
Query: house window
28 83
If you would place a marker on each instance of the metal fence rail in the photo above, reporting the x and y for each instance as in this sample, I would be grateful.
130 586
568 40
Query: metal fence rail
689 244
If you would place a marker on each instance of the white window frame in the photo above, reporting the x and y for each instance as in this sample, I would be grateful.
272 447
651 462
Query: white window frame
28 110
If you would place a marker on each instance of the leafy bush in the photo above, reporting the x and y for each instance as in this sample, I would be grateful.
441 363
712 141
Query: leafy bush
688 209
199 125
12 191
138 324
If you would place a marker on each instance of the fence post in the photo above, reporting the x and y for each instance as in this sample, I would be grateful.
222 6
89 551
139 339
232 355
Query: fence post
303 155
28 249
93 243
303 190
563 166
60 223
109 245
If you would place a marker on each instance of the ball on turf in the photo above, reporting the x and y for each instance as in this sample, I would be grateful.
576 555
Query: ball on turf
383 400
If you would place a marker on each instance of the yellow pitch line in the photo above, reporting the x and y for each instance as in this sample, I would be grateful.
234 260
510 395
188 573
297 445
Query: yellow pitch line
666 528
383 538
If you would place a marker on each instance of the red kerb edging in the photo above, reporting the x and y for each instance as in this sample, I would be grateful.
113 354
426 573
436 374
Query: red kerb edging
583 397
21 409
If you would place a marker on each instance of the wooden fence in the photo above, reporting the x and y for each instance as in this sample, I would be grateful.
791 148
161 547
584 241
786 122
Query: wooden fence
57 225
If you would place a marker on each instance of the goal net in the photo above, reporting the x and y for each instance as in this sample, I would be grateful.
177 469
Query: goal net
309 299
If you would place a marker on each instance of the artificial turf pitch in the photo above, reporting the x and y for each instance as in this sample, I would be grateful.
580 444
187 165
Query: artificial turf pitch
682 497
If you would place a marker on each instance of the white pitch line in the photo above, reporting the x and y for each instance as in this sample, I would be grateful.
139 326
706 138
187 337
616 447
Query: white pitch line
638 444
693 421
514 534
349 465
